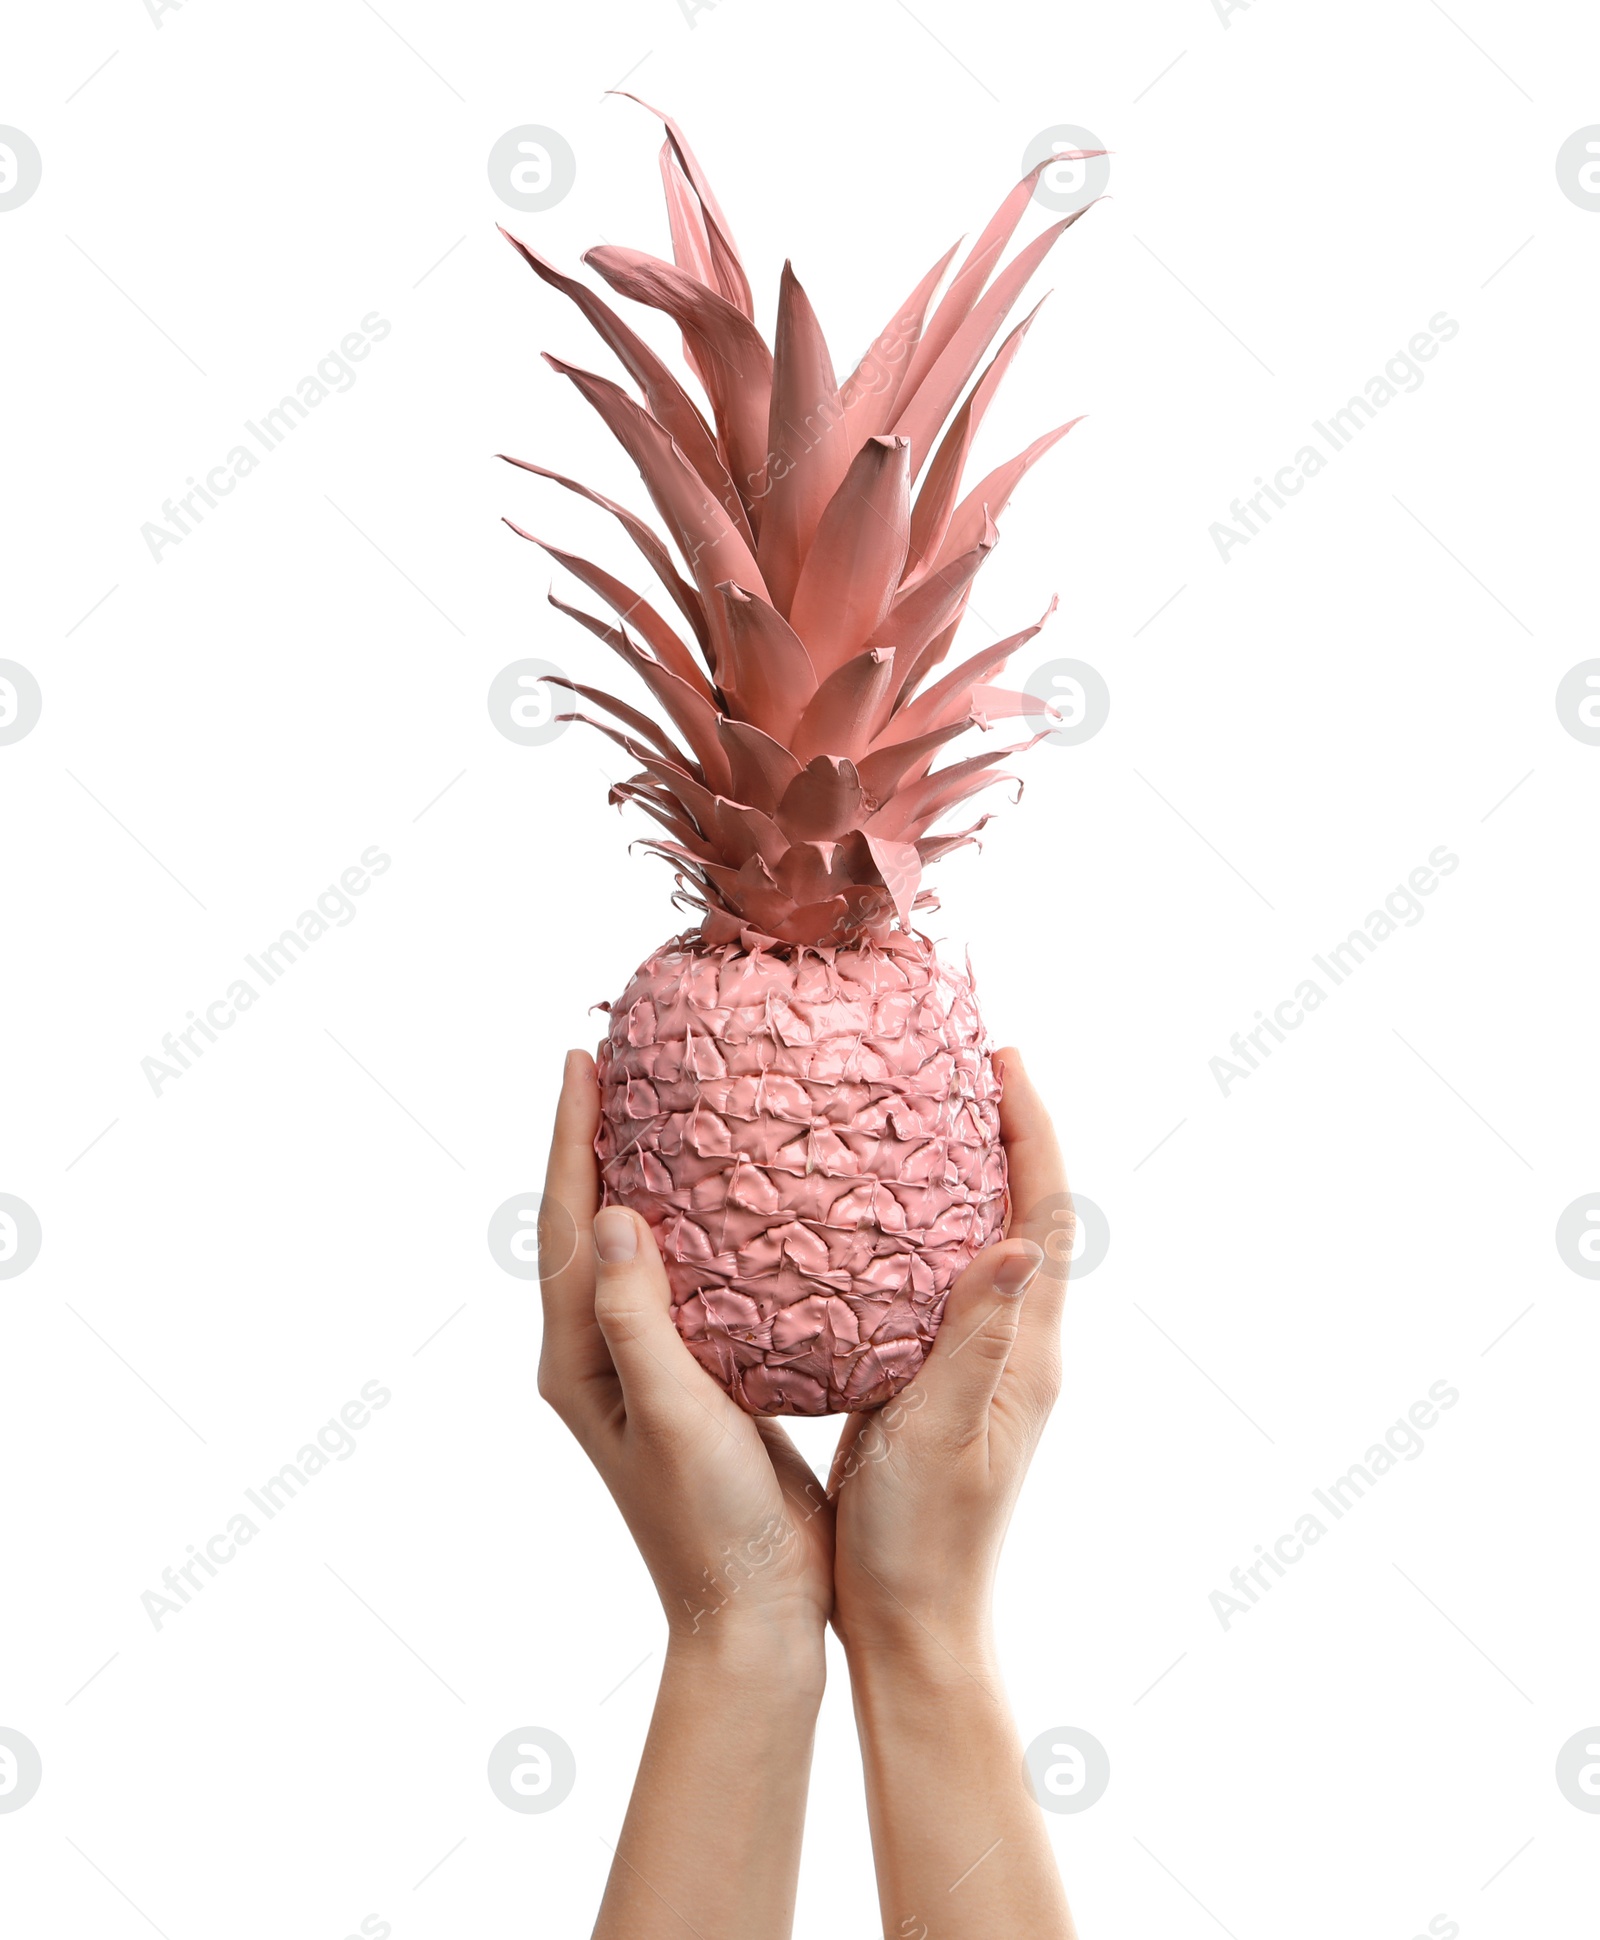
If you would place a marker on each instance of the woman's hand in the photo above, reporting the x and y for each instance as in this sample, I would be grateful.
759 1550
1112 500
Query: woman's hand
738 1536
923 1492
924 1489
750 1560
732 1525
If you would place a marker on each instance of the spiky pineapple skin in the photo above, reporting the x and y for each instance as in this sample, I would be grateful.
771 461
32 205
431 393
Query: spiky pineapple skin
813 1135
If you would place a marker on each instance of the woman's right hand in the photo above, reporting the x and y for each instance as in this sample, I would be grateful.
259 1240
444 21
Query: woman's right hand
924 1488
923 1492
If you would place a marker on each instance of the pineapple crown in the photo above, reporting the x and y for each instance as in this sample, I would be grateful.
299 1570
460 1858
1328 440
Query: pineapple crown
825 584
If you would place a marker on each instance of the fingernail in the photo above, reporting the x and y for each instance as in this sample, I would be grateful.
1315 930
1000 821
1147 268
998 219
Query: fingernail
568 1067
1016 1270
616 1238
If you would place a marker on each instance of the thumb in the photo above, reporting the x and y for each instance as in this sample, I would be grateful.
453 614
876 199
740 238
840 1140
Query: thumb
976 1335
632 1308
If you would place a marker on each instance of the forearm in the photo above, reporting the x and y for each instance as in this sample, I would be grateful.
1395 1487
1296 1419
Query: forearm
959 1843
711 1843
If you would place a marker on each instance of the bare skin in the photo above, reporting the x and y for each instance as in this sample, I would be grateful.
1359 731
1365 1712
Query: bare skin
959 1842
752 1559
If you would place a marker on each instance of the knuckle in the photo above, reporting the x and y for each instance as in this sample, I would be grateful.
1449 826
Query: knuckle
991 1345
618 1311
968 1330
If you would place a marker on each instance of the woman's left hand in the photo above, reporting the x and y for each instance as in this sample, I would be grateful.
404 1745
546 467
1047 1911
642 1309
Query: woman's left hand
734 1528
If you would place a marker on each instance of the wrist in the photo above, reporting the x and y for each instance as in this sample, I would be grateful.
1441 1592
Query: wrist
768 1657
923 1635
924 1692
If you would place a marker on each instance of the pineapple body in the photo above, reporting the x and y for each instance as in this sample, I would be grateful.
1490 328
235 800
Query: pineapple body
813 1135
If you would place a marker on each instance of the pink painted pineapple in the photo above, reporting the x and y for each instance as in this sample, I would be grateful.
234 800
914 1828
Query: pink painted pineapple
797 1094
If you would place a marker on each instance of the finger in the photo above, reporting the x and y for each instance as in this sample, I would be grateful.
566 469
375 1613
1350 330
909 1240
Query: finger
1033 1158
573 1361
662 1383
572 1175
1041 1205
975 1340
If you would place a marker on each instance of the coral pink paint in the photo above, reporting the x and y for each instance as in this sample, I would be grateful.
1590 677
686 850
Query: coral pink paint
830 1120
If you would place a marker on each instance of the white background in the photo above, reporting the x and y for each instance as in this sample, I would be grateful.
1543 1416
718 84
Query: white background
1296 730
